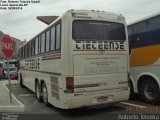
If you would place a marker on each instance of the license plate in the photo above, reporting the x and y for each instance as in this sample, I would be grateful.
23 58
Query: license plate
102 98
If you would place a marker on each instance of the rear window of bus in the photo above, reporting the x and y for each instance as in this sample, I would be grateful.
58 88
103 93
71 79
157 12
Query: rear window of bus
89 30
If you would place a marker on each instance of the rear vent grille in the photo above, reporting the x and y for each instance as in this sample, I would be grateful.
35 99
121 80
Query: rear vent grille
54 94
54 87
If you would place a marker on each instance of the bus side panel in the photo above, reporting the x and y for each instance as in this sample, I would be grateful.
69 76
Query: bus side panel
28 79
151 70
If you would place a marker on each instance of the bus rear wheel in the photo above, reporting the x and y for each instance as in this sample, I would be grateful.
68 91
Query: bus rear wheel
149 91
38 91
45 94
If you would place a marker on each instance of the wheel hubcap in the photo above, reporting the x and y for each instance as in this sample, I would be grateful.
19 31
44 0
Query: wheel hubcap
45 97
150 92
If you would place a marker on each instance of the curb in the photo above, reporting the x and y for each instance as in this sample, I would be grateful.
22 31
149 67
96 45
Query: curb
12 108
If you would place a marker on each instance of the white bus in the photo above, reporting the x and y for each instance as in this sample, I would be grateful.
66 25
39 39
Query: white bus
144 38
81 59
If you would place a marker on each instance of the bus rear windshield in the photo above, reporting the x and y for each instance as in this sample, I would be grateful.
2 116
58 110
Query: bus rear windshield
97 30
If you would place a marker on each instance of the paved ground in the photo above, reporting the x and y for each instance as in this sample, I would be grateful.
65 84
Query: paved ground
36 110
7 103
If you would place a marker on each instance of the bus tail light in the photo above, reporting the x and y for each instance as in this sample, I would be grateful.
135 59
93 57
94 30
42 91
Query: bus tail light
70 84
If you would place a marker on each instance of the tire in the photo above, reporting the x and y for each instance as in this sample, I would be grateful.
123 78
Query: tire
132 94
45 94
21 81
38 91
149 91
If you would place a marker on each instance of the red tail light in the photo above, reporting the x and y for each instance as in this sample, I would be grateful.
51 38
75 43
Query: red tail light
70 84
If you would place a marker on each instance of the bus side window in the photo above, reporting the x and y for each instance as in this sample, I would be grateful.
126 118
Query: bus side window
47 40
52 45
58 36
43 43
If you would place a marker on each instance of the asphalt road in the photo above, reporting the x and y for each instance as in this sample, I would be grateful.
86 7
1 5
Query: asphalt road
33 109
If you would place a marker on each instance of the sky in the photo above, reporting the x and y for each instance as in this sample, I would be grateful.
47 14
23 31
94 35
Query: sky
22 24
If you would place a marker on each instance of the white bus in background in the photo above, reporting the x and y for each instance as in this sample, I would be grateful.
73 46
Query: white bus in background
144 39
81 59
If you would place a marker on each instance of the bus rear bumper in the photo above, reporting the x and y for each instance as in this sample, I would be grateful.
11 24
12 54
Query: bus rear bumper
78 100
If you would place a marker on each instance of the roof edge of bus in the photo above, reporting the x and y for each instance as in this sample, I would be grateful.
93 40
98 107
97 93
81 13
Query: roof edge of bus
97 11
144 18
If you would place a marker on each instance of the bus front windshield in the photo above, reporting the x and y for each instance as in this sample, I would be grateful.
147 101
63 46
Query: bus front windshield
90 30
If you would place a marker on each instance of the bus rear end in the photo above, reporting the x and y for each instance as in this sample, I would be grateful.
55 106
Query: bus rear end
96 61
